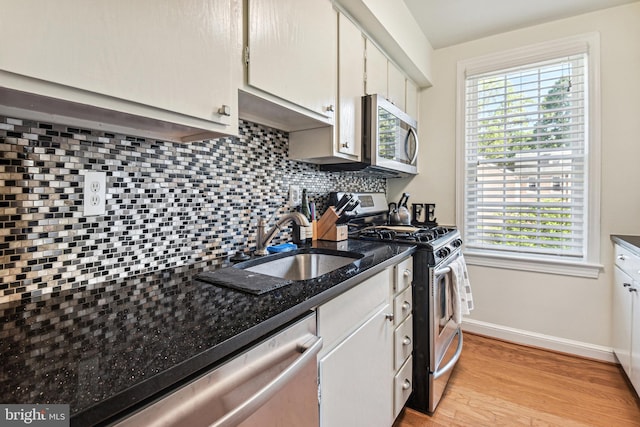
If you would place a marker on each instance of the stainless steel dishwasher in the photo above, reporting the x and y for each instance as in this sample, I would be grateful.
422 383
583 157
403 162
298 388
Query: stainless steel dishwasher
274 383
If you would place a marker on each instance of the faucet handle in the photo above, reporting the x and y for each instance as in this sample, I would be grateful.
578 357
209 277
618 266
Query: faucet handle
264 221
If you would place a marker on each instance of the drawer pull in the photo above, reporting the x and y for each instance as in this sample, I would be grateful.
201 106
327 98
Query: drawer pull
389 317
622 257
626 285
633 290
406 384
407 273
406 306
407 340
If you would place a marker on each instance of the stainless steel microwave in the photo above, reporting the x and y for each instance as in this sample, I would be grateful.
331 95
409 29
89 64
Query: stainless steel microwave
389 141
389 136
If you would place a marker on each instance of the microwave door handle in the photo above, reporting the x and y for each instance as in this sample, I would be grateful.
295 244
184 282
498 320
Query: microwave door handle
406 145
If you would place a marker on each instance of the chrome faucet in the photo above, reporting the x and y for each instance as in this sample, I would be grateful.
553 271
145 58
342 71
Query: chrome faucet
264 238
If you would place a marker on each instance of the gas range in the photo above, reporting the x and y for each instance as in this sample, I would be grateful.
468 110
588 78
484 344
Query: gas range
438 241
370 221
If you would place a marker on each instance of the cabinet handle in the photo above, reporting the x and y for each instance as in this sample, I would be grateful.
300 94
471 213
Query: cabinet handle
626 285
622 257
406 385
406 306
329 108
345 145
225 110
406 340
389 317
407 273
633 290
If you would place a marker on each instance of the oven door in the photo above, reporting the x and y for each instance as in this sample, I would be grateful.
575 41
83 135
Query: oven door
444 328
445 349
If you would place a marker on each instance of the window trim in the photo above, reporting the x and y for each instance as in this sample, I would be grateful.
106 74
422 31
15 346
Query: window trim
589 43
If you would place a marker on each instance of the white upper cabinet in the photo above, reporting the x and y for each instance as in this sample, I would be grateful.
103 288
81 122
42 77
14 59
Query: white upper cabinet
350 87
292 52
376 71
384 78
397 86
412 101
159 59
343 141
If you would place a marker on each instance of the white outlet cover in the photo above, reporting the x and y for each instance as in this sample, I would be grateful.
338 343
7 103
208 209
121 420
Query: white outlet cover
295 195
95 192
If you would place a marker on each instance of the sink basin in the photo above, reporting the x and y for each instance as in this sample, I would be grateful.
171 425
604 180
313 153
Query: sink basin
303 264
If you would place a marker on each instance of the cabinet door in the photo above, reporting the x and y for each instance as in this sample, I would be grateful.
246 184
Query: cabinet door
169 55
397 86
292 51
622 318
351 87
411 97
376 69
356 377
635 336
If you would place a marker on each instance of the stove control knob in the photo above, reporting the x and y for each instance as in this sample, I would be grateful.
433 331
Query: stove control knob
442 253
457 243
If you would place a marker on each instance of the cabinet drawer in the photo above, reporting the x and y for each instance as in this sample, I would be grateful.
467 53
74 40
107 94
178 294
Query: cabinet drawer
404 274
402 305
345 313
628 262
403 342
402 385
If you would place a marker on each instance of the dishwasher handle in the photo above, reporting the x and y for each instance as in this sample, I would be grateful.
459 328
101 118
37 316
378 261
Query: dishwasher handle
249 406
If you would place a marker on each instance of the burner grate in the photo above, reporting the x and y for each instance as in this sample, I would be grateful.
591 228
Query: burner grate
404 234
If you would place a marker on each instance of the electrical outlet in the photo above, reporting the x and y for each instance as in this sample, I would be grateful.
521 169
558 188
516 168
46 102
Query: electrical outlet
95 191
295 196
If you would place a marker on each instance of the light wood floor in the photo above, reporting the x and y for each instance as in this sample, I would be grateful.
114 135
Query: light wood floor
502 384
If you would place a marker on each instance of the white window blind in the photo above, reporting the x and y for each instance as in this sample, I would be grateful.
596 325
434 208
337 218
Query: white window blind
525 157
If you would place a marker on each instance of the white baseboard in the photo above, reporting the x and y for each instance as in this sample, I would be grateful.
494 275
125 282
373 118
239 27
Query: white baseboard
533 339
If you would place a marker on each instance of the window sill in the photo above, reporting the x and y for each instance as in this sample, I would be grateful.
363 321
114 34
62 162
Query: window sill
565 268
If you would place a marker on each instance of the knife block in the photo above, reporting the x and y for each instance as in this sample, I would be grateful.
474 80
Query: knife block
327 228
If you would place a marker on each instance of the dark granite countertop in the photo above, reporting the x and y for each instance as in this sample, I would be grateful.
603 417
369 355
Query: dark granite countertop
107 348
631 243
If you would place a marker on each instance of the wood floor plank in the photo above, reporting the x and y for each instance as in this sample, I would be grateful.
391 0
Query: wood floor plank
497 383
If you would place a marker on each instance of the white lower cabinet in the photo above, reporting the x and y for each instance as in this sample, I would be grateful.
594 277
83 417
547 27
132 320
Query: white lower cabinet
355 363
402 386
622 319
354 377
402 295
626 313
365 365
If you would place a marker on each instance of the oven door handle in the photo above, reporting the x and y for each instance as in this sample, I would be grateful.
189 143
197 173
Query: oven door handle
451 363
442 271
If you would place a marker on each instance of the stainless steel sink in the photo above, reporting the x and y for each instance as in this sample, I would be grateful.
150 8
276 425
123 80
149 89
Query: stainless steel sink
302 264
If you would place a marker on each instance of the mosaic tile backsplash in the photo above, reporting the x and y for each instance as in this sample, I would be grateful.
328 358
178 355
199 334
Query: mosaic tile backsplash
168 205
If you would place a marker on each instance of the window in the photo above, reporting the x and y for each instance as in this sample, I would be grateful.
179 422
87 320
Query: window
527 150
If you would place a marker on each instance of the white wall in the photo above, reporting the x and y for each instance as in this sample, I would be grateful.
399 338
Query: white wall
568 308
